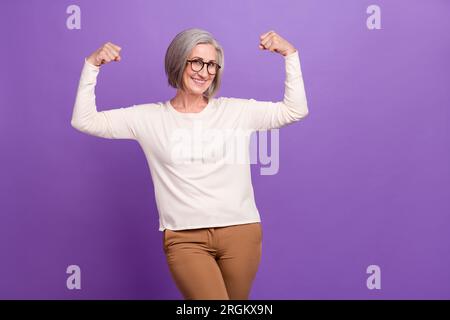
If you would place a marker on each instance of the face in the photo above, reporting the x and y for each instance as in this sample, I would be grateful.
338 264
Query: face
207 52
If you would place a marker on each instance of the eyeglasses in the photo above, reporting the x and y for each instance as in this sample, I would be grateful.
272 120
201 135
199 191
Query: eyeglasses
198 64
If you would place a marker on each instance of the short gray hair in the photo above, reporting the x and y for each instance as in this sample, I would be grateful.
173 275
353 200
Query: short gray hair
178 52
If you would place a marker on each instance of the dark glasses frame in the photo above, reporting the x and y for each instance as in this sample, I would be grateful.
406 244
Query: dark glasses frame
203 64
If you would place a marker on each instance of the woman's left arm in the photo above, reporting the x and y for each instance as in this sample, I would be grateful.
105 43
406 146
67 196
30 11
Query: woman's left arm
264 115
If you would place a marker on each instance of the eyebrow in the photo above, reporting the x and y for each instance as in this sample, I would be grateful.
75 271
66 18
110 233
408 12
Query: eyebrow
204 60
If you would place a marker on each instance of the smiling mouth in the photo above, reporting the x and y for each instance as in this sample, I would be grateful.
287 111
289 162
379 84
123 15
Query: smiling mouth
199 82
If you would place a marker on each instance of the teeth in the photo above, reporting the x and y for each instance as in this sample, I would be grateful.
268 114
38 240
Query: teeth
199 81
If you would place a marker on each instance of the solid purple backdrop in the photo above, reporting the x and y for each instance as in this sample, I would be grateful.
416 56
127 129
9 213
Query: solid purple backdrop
363 180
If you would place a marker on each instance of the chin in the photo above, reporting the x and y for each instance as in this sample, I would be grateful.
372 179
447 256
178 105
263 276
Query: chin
198 90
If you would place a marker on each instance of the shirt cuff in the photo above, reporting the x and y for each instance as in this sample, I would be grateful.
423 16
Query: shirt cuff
293 68
91 65
291 54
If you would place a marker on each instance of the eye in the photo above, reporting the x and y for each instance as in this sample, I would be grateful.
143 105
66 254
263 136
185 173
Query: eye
212 67
197 63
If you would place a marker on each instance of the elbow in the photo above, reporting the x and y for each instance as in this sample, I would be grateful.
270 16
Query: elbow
79 125
305 112
75 124
300 113
89 126
296 110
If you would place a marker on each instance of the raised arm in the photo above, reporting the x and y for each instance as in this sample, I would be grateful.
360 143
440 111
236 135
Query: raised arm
264 115
113 124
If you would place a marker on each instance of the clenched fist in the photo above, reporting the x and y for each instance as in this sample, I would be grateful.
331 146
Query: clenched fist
273 42
106 53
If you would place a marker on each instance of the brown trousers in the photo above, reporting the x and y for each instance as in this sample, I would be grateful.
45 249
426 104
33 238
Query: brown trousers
214 263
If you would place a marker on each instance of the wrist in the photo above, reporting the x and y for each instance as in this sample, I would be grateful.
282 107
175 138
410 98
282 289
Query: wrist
91 63
289 51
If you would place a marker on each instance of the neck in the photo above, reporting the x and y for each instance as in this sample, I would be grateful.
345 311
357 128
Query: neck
188 102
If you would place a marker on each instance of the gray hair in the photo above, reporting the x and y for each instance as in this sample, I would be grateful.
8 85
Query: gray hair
178 52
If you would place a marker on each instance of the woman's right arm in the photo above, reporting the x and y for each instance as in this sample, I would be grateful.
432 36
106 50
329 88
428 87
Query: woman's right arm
112 124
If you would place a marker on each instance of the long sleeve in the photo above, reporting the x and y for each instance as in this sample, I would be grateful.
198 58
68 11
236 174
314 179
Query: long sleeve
112 124
265 115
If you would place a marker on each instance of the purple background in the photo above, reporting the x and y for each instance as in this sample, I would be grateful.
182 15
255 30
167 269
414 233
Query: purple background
363 180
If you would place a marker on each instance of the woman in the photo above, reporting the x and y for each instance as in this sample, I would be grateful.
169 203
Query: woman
197 149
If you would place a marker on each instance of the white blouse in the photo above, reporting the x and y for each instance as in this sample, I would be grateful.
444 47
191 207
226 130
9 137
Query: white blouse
199 162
